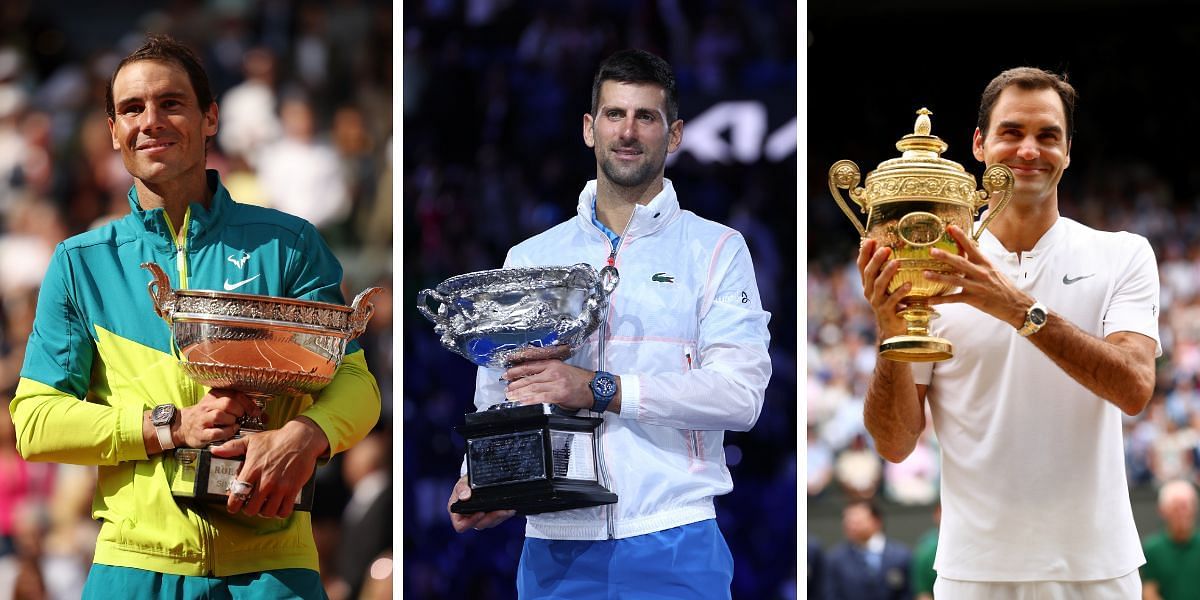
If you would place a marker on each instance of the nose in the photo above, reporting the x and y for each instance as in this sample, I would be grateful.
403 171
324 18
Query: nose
1028 150
151 118
627 130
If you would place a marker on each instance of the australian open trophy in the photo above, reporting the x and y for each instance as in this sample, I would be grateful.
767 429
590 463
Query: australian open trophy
534 458
274 350
909 202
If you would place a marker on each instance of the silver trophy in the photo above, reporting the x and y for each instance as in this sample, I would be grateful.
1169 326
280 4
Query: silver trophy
532 458
274 350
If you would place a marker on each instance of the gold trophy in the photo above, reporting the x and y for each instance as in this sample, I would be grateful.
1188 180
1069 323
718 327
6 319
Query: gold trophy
909 202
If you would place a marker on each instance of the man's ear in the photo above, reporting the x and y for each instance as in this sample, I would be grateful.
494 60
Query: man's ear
1067 160
589 137
112 131
675 136
977 145
210 120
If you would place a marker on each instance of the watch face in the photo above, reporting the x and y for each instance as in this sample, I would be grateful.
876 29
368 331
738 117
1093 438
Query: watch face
605 385
162 414
1037 316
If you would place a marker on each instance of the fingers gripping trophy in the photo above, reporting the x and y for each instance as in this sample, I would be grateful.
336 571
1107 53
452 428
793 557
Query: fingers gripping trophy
274 350
909 201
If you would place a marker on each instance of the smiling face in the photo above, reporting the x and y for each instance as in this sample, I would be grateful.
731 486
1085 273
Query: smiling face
1027 132
630 133
159 126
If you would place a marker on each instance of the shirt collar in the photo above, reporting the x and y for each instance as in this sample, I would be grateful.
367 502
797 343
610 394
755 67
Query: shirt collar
647 219
202 219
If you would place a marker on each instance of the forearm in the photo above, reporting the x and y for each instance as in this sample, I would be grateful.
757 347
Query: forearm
52 426
725 393
893 412
348 407
1114 372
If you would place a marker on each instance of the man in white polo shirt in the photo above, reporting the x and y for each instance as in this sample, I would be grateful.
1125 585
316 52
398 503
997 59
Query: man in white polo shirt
1055 332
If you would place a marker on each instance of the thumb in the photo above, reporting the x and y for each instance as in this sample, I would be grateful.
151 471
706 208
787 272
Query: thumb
231 448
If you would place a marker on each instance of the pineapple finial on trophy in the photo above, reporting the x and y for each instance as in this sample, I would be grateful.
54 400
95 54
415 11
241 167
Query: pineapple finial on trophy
923 126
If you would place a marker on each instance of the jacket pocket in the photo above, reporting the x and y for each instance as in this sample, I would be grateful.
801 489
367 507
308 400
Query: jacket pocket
692 438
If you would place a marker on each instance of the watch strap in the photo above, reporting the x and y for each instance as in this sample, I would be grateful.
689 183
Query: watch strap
164 431
600 399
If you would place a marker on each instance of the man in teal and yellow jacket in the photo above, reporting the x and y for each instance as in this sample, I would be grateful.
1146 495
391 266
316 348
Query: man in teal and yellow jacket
99 361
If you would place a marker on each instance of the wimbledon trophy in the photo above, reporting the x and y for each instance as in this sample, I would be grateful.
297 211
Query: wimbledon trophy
272 349
909 201
532 458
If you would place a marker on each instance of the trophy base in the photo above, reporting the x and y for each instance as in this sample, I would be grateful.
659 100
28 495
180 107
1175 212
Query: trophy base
198 475
531 459
916 348
534 498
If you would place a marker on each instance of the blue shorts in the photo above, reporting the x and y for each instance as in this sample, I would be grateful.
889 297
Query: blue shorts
691 561
103 582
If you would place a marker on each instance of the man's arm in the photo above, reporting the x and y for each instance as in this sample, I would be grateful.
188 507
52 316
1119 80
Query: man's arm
894 411
724 389
1118 368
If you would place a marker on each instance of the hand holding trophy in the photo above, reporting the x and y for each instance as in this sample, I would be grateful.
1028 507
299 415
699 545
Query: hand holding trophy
909 202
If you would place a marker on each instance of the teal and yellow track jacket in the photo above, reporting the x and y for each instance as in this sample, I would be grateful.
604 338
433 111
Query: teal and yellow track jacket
99 357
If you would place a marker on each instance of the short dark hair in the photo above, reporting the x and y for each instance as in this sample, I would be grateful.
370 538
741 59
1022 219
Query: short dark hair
869 504
1027 78
164 48
637 66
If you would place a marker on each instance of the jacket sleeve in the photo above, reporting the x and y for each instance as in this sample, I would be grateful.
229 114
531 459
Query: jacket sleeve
725 390
53 421
349 406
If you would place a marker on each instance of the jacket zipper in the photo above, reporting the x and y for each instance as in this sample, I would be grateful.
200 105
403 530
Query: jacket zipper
179 240
609 516
207 546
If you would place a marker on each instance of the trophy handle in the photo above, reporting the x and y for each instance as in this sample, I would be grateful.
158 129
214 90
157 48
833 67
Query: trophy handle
844 174
160 291
363 309
996 178
423 305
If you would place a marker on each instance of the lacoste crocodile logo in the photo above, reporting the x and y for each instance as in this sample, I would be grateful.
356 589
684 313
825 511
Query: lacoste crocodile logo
229 287
661 277
1069 280
239 262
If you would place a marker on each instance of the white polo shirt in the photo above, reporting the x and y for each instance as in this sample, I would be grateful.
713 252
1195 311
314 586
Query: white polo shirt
1033 468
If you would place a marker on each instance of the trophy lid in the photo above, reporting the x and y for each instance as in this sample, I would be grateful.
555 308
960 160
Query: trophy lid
922 149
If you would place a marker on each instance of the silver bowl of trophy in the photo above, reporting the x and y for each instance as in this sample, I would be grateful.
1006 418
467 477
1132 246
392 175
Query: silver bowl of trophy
532 458
274 350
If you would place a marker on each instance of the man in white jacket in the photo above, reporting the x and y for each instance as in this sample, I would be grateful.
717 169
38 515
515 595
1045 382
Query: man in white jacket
680 357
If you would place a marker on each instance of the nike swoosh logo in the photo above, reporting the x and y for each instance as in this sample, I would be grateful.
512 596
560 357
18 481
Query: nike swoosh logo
1069 280
229 287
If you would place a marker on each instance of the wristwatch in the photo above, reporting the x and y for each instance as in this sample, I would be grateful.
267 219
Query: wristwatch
604 388
161 418
1035 317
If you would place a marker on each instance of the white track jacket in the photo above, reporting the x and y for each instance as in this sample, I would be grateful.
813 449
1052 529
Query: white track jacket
686 332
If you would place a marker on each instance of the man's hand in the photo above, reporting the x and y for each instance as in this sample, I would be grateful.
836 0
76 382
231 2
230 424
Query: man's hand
549 381
983 286
278 464
877 273
213 419
479 520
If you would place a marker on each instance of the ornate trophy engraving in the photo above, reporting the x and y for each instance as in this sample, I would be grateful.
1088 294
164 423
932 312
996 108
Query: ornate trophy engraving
909 202
531 458
274 350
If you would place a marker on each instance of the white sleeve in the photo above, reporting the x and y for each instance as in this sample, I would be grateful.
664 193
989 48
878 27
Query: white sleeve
726 389
1134 303
922 372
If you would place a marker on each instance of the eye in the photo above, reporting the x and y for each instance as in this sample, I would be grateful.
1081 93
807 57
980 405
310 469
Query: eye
646 117
171 104
614 114
131 109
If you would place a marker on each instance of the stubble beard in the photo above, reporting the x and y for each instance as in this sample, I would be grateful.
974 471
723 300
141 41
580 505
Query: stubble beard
631 175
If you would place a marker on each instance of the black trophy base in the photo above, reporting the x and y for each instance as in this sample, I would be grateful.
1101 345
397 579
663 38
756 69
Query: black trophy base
536 497
531 459
198 475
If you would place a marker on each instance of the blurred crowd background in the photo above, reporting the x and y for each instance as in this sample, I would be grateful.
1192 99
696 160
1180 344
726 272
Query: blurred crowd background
493 100
305 93
1129 171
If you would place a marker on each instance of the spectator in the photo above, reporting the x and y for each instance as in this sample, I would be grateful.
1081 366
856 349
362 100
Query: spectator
868 565
1173 555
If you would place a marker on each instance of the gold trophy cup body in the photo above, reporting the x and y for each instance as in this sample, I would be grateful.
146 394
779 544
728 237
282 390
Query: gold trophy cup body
909 201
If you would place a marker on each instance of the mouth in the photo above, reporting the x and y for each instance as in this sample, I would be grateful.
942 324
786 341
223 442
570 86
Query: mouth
629 153
153 146
1026 170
